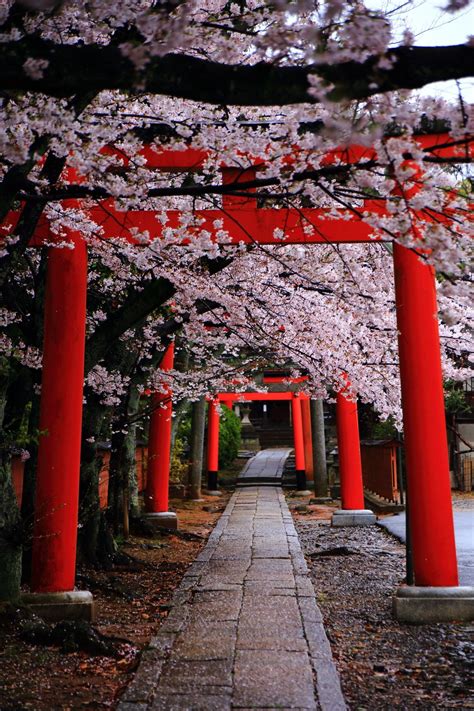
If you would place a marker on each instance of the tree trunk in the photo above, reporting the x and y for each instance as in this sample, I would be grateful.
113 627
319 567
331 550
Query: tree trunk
319 449
91 463
198 423
128 463
10 522
114 499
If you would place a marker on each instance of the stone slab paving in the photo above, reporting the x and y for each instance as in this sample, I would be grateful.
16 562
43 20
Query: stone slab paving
266 466
244 630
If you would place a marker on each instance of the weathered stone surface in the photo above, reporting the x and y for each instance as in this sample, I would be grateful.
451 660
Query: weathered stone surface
201 702
190 676
207 642
58 606
244 631
143 686
163 642
164 519
217 604
273 678
420 605
329 687
270 569
362 517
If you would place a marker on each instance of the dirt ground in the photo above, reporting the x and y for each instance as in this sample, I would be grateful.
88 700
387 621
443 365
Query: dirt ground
384 665
131 601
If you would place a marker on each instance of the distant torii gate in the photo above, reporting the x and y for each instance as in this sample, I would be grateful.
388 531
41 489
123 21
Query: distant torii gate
228 398
431 520
350 465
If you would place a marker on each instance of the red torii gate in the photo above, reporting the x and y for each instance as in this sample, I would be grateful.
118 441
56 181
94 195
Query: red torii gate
431 520
227 399
350 464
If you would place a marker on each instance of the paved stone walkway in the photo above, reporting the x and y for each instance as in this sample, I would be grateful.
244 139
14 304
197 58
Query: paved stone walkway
266 467
244 631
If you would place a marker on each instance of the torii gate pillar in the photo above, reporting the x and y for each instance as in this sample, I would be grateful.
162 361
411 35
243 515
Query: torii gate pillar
307 438
352 512
435 597
298 438
213 448
57 485
159 452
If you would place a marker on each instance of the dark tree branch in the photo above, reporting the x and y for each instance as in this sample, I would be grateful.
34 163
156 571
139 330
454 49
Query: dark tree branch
79 68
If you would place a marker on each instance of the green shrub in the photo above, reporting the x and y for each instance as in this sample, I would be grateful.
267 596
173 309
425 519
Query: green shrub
178 462
229 437
384 429
455 400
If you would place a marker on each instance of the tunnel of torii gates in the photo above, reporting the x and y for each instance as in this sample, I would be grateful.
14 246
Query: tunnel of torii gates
427 466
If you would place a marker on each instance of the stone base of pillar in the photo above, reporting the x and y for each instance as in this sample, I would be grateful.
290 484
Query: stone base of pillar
420 605
194 494
353 517
163 519
213 492
59 606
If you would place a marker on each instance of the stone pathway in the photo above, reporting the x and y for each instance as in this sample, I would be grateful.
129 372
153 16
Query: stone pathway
244 631
266 467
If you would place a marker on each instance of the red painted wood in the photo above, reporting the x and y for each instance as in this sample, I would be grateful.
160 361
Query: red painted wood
348 445
284 379
250 225
228 403
438 144
247 225
307 437
298 434
213 437
243 397
426 450
234 176
57 485
159 445
104 479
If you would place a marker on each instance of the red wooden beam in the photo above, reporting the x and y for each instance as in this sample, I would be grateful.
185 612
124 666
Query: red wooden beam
284 379
247 225
240 217
245 397
440 145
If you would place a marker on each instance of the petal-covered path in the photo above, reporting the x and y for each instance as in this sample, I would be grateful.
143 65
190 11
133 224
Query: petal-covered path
244 631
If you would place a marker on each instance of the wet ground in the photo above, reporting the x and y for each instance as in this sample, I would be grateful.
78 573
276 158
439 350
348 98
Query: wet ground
463 514
384 665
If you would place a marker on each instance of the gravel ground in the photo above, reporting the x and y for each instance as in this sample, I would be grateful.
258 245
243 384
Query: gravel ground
383 664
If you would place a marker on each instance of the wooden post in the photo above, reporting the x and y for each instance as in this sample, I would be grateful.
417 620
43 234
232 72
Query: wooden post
57 484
